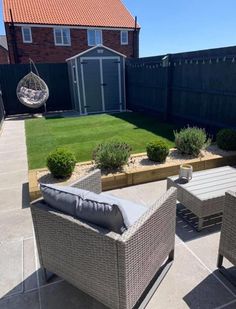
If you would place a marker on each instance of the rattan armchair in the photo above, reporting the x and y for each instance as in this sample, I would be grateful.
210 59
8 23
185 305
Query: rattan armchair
227 247
120 271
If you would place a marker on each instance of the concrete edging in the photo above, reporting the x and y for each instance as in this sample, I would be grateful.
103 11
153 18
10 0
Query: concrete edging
146 175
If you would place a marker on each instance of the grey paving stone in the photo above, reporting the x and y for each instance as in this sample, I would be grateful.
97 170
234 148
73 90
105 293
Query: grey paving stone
29 265
15 224
231 305
21 301
145 194
11 147
11 268
12 155
63 295
10 199
189 285
14 165
12 140
13 179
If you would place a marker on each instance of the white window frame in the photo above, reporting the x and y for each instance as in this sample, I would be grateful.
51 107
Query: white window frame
95 30
23 34
127 41
61 29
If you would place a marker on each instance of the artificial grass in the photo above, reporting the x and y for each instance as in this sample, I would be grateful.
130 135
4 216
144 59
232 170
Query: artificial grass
82 134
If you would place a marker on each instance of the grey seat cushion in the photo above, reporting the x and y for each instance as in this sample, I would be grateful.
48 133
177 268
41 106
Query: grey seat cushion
104 210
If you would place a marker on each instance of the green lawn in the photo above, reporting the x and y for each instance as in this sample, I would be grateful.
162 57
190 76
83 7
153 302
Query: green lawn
82 134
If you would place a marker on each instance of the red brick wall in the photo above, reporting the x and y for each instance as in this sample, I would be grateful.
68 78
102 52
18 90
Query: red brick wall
43 49
3 56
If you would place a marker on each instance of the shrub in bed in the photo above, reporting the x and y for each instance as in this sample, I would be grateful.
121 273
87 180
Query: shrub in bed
157 151
226 139
61 163
191 140
111 154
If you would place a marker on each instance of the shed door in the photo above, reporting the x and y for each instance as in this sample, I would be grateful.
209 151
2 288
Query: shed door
111 82
92 94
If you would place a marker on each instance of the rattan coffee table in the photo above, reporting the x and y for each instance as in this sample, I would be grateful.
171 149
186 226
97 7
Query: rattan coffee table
203 196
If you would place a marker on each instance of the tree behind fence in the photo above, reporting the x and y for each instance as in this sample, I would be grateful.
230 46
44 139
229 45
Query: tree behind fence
190 88
55 76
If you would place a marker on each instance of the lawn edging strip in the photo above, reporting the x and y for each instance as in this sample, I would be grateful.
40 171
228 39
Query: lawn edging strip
144 175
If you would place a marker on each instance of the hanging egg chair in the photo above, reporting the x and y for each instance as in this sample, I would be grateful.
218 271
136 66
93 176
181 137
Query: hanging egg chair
31 90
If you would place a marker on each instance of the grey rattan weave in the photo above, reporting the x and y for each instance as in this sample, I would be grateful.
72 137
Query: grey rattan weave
204 195
114 269
227 247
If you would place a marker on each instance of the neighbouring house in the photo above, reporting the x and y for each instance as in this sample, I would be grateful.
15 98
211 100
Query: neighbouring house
52 30
4 59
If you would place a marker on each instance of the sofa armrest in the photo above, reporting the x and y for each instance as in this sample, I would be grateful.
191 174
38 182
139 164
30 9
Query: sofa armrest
82 254
145 246
227 246
91 182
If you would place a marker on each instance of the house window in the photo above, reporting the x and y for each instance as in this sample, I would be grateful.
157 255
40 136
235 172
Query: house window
94 37
26 34
62 36
124 37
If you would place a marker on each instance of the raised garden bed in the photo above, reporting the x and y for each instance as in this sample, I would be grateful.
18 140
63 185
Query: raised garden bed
139 170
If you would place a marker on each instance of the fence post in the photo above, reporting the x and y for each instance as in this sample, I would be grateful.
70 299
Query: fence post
167 81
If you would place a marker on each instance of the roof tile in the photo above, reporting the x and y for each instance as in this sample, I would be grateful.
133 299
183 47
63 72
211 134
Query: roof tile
92 13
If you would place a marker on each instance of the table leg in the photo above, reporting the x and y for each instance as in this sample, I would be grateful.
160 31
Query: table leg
200 224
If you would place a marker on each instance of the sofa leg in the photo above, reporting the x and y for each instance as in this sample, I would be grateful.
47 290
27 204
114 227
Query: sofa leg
172 255
46 275
220 260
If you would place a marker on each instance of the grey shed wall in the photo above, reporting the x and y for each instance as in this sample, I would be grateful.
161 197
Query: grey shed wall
97 81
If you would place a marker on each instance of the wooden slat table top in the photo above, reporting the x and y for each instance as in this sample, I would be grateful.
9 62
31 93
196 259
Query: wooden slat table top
210 183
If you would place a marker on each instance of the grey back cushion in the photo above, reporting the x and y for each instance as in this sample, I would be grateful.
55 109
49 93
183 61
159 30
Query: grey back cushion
85 205
103 209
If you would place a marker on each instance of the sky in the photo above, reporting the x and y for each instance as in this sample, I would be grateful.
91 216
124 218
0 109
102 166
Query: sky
181 25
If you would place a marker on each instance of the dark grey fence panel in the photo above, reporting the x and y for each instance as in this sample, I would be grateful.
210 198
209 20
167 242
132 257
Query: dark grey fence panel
196 87
55 76
2 110
205 93
146 85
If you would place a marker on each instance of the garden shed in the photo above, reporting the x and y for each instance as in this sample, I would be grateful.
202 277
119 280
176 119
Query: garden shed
97 80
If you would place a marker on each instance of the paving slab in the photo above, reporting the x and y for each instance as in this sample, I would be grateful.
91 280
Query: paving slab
11 147
11 268
22 301
11 199
63 295
13 179
29 265
15 224
14 165
189 285
145 194
12 155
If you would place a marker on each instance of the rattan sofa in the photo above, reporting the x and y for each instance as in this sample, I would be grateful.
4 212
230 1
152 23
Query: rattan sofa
227 247
120 271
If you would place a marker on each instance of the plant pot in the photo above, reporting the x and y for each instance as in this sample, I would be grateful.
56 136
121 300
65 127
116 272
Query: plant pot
186 171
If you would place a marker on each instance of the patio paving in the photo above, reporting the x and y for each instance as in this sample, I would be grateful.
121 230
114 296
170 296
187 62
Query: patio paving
192 282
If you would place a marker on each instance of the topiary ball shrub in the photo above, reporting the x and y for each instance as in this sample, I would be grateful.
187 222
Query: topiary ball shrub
157 151
226 139
61 163
191 140
111 154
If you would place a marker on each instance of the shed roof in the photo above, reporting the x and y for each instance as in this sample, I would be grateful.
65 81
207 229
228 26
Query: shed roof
95 47
3 41
91 13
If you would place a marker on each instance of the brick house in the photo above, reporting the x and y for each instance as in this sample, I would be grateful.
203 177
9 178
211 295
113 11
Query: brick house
4 59
52 30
